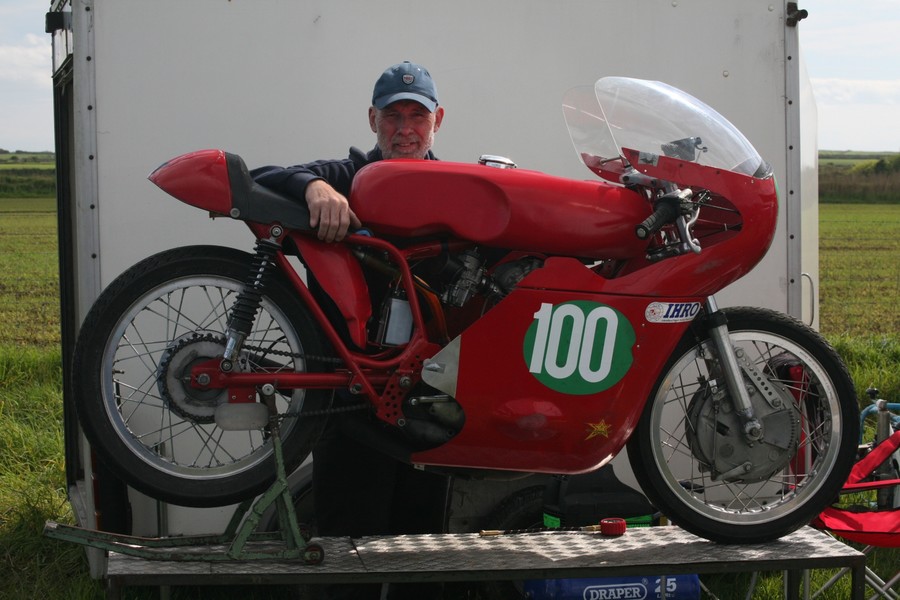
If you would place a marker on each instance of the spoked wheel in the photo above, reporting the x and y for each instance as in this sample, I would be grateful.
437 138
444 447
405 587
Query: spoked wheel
693 459
132 366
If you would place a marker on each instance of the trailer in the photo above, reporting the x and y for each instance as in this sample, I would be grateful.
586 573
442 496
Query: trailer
137 83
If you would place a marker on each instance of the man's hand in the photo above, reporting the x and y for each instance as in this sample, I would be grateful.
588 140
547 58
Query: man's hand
329 211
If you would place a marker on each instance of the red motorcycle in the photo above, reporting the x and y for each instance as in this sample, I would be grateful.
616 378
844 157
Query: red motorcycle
486 318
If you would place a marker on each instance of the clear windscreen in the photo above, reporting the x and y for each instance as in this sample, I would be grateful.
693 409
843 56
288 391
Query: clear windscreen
655 119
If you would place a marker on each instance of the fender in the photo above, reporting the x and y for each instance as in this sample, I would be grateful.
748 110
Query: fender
219 182
338 273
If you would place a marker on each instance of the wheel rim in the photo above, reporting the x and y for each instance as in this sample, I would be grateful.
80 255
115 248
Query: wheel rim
784 491
161 437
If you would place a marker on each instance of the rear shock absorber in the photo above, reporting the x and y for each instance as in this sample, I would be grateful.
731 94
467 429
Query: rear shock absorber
243 312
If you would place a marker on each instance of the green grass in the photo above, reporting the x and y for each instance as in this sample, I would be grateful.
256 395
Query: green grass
45 166
29 206
32 478
859 288
29 273
859 265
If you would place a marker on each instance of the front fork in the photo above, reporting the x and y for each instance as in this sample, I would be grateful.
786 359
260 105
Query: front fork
731 371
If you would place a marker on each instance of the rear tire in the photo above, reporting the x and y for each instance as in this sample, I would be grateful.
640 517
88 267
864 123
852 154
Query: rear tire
138 341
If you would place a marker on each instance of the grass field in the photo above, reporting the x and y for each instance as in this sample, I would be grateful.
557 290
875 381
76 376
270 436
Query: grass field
27 181
47 166
859 263
859 287
29 282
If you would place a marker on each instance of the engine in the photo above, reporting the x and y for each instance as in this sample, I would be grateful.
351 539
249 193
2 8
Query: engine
432 418
466 276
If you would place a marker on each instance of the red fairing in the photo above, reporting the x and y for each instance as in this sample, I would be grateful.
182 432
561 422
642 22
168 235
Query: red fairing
513 421
504 208
726 256
198 178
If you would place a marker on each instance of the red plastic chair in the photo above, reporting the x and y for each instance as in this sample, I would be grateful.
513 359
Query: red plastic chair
877 528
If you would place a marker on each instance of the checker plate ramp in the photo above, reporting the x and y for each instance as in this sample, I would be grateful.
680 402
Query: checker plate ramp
471 557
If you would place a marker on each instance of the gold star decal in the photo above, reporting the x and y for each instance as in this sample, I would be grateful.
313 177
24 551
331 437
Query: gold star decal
597 429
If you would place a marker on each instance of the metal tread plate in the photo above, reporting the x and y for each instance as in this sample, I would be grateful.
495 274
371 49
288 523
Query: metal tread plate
471 557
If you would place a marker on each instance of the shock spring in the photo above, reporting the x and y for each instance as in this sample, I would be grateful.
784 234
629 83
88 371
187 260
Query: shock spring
243 313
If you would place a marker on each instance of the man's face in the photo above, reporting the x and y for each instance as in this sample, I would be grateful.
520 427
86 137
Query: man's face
405 129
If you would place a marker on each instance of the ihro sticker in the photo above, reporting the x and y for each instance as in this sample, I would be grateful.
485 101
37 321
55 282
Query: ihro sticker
579 347
671 312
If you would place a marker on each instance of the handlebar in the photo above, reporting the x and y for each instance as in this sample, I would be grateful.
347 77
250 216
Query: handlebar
667 210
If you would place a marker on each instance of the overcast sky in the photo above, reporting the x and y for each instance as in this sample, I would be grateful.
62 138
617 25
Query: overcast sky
851 48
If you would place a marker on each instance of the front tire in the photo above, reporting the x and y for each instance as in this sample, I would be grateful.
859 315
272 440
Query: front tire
136 346
686 430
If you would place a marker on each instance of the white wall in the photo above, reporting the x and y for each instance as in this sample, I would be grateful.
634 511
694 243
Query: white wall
283 82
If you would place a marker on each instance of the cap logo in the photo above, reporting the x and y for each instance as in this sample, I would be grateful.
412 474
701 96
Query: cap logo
408 79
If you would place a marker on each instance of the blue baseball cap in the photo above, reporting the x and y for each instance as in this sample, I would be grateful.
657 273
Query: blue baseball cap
405 81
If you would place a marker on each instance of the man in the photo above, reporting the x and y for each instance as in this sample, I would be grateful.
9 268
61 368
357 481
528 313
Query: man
404 116
358 491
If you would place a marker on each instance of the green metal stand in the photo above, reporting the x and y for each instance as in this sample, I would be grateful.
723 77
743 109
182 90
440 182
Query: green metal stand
232 544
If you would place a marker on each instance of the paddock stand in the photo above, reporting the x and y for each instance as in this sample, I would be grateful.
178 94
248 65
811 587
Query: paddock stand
291 542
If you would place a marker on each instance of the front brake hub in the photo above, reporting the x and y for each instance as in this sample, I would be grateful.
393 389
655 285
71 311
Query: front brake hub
716 434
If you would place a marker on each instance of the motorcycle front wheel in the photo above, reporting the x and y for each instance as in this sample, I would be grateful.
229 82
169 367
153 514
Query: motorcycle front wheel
131 371
693 459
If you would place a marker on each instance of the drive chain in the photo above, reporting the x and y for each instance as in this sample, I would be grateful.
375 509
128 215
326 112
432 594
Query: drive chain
298 355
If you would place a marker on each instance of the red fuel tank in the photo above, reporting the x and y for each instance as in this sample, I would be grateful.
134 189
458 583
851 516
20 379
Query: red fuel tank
515 209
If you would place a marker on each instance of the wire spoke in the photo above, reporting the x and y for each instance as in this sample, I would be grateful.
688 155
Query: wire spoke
702 456
174 427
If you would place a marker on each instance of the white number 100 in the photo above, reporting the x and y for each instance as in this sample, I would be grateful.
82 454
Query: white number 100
580 352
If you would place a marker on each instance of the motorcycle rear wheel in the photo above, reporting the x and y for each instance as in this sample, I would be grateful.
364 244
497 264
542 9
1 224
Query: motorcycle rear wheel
677 477
136 346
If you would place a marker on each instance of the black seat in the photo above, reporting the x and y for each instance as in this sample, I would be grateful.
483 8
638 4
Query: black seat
258 203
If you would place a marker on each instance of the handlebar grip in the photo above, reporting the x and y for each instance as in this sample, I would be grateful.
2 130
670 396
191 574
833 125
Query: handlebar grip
665 212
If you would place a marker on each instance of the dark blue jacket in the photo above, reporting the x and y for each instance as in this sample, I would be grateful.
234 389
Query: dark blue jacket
339 173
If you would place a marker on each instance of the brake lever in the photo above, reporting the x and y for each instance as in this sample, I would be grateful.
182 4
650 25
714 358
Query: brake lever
684 230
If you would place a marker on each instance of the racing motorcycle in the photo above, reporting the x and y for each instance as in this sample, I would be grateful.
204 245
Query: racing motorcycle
487 318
